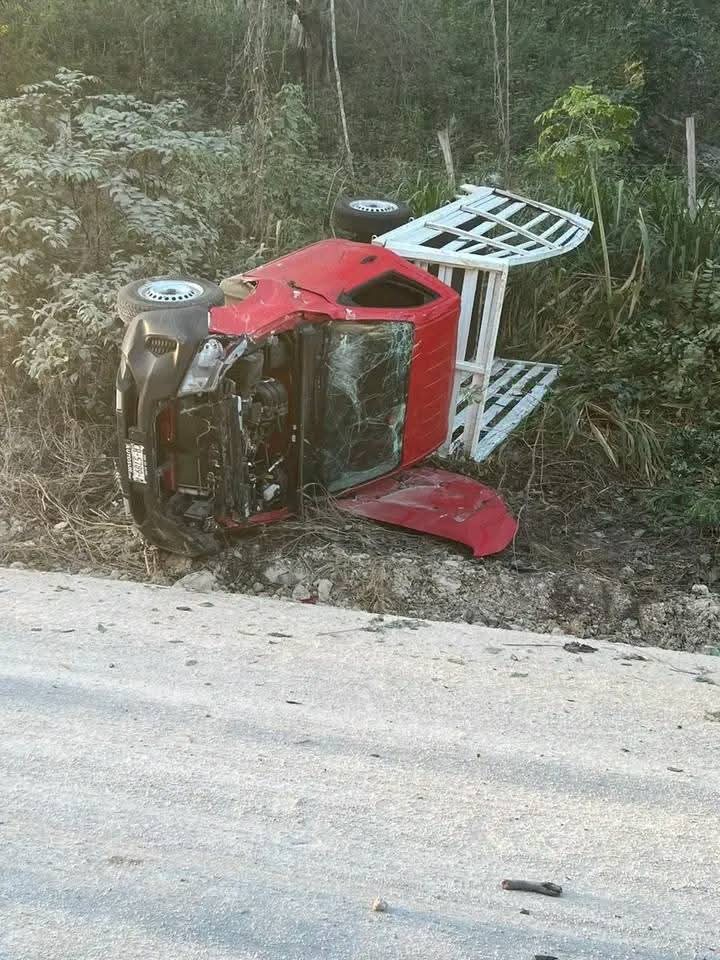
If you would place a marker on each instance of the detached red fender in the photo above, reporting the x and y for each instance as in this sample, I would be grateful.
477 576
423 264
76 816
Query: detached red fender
437 502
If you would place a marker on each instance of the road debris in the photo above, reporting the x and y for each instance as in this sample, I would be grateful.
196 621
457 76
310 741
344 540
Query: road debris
379 905
575 647
120 861
531 886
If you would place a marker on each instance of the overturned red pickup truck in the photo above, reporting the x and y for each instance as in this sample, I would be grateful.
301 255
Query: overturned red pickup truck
329 371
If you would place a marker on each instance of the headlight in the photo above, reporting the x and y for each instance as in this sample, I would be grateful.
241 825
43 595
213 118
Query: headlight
208 365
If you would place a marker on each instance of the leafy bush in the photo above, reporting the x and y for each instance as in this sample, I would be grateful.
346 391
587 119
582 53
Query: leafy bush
87 201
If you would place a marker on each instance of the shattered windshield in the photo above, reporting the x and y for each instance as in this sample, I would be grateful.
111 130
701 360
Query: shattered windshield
366 393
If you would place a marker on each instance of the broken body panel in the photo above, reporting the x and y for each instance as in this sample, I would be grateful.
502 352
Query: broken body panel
334 371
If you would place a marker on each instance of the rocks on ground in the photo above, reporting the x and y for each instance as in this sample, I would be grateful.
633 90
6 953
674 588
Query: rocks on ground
200 581
433 580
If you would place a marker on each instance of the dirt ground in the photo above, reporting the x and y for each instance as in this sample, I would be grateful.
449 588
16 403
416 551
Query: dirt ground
588 560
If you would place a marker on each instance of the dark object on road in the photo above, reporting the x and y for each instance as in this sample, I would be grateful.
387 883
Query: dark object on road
328 371
544 956
530 886
575 647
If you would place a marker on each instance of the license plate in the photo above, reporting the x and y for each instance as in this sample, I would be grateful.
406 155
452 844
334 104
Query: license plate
136 462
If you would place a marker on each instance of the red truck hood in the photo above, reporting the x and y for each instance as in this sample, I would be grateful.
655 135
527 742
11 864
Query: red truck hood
434 501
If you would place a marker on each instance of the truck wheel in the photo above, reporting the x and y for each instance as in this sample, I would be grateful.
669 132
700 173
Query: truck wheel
364 219
159 293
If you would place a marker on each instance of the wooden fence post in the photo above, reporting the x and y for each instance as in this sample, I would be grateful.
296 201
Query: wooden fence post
691 166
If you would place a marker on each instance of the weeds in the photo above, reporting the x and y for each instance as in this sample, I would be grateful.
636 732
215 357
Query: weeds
640 368
59 501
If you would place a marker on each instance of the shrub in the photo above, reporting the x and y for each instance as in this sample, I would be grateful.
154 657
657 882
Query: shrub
87 201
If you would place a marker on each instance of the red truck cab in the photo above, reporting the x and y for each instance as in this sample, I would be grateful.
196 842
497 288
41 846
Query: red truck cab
333 371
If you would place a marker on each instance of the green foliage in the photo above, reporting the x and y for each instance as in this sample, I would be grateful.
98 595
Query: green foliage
426 192
407 67
664 359
640 375
584 128
691 490
269 191
86 202
97 189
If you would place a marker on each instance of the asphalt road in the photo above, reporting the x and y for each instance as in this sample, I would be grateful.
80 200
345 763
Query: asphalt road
186 776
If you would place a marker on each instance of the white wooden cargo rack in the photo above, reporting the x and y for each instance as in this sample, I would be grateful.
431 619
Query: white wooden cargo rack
471 244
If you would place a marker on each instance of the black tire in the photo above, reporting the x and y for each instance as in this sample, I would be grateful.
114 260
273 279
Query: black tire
134 299
365 218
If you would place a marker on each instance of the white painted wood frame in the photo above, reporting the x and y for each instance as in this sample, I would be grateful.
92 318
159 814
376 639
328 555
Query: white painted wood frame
482 235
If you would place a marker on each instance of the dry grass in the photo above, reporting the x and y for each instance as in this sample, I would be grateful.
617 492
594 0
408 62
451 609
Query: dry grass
58 494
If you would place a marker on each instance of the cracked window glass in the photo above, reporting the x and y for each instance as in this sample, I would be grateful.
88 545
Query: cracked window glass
368 365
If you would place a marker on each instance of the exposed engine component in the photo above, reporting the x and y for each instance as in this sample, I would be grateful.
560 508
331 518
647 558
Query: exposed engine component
269 403
227 449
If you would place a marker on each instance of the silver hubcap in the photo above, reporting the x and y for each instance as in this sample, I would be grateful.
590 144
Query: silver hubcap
374 206
169 291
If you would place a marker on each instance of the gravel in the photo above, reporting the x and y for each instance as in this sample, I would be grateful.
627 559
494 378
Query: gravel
435 581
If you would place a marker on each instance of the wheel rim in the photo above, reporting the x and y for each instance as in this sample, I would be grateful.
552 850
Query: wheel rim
374 206
169 291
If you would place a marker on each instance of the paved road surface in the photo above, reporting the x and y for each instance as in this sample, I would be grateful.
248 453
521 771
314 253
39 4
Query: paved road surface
186 776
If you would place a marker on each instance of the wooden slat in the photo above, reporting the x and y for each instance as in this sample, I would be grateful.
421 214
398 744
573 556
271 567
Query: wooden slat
553 228
527 245
495 435
484 356
565 237
575 218
445 275
534 373
417 232
570 217
495 208
513 371
481 229
467 301
469 235
514 227
453 259
471 188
